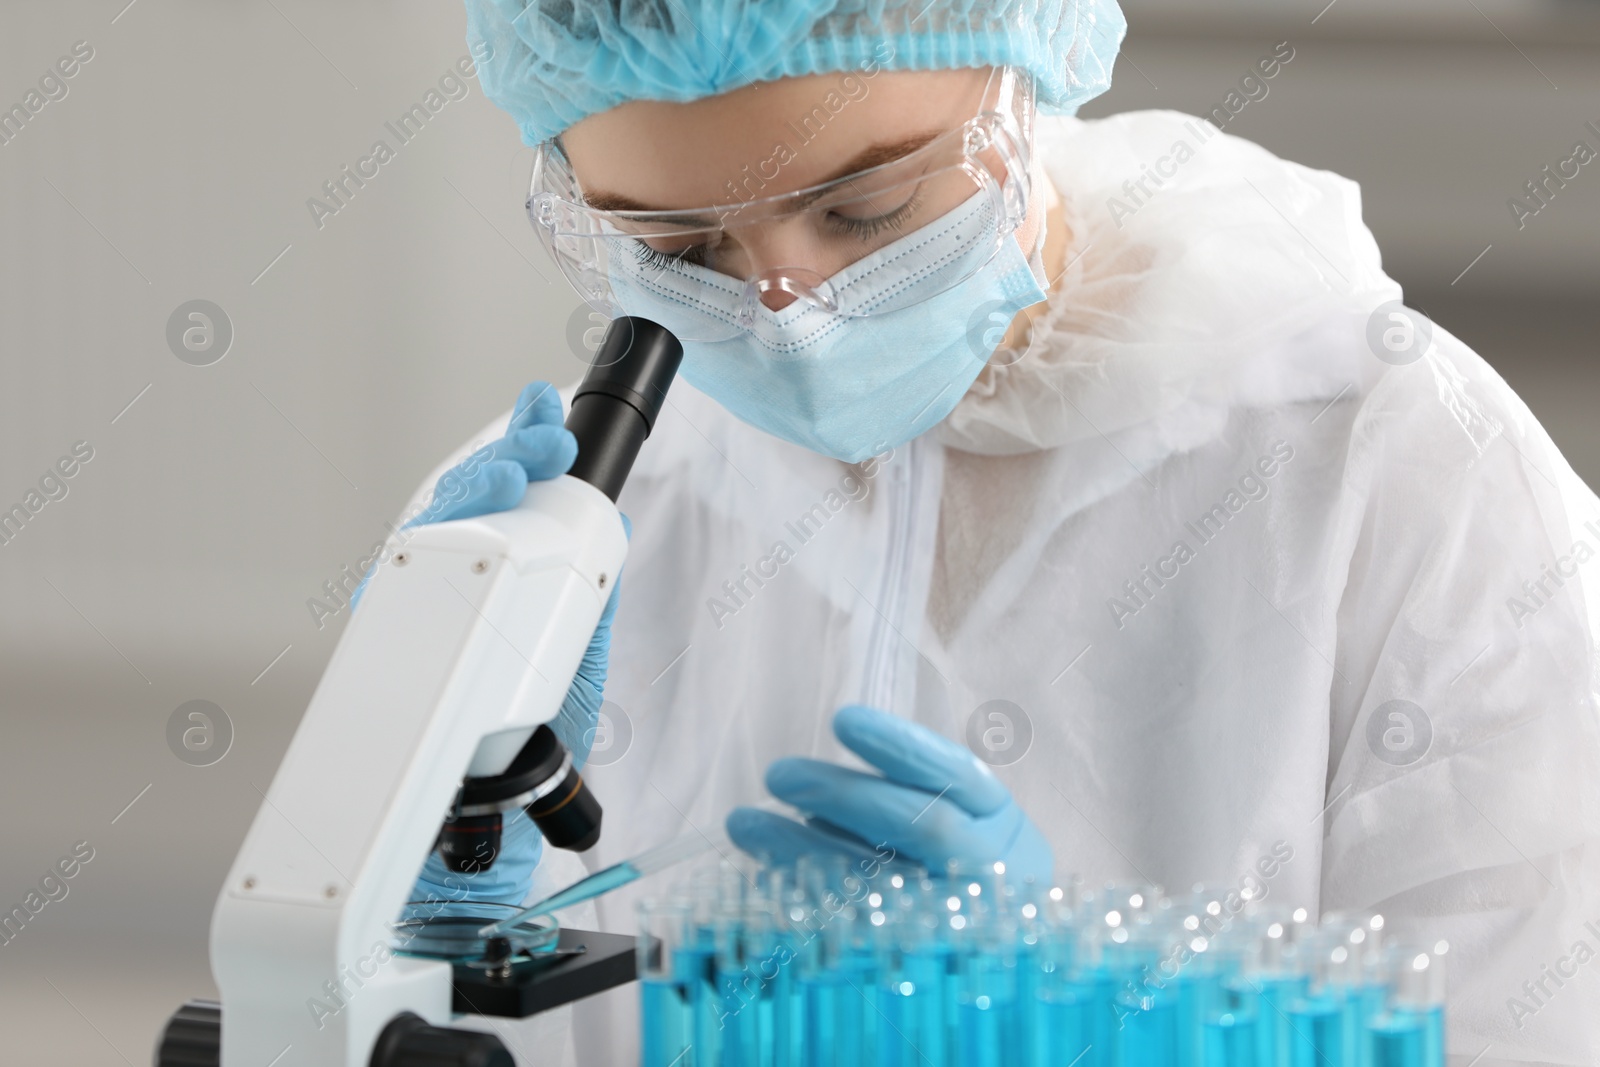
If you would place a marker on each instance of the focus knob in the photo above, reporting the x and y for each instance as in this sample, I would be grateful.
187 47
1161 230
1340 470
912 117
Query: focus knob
408 1041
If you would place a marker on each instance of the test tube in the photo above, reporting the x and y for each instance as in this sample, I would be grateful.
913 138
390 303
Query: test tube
921 986
788 933
1230 1026
1066 990
1409 1031
1098 971
987 1006
1362 932
665 1012
746 963
819 968
1209 957
1129 1018
1276 973
1325 1024
700 964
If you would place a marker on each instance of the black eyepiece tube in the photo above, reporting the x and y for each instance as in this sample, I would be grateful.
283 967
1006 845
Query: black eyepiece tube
615 408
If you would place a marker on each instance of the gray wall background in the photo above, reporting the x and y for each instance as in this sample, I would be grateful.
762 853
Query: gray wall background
178 565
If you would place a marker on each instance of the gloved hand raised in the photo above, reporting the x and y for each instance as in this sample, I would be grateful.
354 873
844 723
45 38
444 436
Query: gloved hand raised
934 803
536 447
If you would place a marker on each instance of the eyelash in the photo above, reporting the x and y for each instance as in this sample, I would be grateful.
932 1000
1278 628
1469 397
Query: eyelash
860 229
656 259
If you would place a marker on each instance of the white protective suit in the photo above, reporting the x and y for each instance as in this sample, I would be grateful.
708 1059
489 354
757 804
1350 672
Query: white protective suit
1198 535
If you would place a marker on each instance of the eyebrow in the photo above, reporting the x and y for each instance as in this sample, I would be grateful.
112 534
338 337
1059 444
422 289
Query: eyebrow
874 155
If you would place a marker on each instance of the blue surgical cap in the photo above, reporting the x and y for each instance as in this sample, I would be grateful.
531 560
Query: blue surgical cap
550 63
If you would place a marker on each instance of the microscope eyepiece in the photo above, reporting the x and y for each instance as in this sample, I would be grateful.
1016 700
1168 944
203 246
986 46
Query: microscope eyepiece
616 404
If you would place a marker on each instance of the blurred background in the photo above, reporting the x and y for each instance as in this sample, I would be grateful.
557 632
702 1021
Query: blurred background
219 498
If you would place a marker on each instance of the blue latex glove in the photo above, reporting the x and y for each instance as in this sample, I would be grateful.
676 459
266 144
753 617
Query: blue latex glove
934 802
536 447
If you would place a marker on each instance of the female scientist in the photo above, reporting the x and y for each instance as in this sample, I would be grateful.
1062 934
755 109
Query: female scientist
1087 480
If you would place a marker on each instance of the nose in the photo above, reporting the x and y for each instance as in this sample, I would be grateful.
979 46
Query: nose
777 299
788 261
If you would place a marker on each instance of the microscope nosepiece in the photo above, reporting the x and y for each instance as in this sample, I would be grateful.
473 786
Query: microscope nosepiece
544 781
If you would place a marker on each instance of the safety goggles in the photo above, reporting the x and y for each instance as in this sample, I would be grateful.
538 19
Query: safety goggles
704 273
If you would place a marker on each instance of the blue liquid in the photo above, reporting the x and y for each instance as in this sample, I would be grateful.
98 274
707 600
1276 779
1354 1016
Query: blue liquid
695 964
897 1045
746 1020
911 1030
1230 1040
1323 1032
1199 995
1276 995
788 1017
929 969
1370 1000
988 1000
1065 1025
1027 1017
821 996
1405 1038
858 1019
1149 1036
665 1022
1105 1027
981 1026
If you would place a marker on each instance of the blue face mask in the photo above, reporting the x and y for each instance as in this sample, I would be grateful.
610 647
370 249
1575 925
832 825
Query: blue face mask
851 386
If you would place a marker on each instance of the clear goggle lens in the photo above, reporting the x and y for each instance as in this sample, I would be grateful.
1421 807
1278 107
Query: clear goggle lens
929 220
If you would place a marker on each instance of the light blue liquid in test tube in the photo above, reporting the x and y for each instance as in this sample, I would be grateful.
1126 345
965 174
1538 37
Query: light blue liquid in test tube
666 1014
1410 1031
664 1020
925 989
741 1017
1370 998
1198 990
980 1026
988 1015
858 1018
1065 1030
1229 1034
900 1039
821 993
906 982
705 1000
752 961
1027 1014
1408 1038
1277 993
1324 1030
1149 1036
788 1020
1104 1027
1230 1040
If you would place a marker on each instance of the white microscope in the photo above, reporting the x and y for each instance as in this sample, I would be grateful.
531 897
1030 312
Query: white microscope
429 723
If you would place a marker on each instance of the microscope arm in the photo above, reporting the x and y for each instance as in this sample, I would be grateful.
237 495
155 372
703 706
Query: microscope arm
465 643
